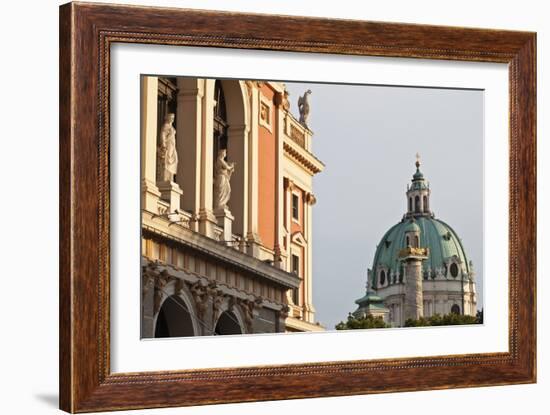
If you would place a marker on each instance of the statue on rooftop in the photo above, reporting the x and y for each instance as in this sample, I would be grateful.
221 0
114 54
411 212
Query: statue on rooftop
303 107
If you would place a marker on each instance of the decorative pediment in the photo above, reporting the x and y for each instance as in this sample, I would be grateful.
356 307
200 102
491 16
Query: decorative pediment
298 238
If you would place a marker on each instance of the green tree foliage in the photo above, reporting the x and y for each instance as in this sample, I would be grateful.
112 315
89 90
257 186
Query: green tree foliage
368 322
479 316
445 320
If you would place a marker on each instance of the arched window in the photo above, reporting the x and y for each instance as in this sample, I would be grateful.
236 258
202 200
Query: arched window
454 270
382 277
408 241
455 309
410 204
417 204
416 241
425 200
220 119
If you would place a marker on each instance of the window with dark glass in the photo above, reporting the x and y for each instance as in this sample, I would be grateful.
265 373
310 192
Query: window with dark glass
296 296
454 270
295 265
220 119
295 206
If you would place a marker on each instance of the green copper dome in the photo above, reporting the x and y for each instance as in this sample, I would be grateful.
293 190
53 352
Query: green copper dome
442 241
446 254
411 226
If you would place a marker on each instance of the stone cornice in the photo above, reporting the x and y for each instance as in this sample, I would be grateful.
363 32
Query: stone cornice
223 253
303 157
302 325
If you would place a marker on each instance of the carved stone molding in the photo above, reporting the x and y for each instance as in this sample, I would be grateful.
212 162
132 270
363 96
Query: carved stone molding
148 274
217 302
281 99
297 136
248 307
311 199
200 296
284 311
160 283
288 184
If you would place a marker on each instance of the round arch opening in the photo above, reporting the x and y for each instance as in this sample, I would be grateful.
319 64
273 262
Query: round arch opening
174 319
227 324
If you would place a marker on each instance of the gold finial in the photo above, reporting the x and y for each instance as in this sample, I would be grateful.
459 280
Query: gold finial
417 160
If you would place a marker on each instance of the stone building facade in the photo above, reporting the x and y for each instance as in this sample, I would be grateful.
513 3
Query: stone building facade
227 200
420 267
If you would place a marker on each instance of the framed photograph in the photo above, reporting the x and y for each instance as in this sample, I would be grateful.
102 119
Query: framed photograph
258 207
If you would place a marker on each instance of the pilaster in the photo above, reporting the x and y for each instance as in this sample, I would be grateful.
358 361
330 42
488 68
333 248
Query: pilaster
237 152
188 141
149 191
279 186
252 235
207 220
308 275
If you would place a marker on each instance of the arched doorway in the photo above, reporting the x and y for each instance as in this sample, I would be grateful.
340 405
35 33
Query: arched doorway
227 324
174 319
455 309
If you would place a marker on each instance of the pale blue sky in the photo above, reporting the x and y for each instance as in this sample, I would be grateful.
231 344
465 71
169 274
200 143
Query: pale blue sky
368 137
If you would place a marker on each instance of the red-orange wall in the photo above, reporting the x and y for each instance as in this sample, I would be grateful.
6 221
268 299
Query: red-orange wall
267 151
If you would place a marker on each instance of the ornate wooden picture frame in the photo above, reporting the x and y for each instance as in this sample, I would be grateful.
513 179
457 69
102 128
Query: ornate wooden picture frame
87 32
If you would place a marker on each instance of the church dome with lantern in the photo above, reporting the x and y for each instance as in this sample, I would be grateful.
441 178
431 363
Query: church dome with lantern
420 251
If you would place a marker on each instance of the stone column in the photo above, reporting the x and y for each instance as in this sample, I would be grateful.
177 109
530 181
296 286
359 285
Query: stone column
413 288
308 275
149 191
188 141
279 186
288 186
252 236
207 220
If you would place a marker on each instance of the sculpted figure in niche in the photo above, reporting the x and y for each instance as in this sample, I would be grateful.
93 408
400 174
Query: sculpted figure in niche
222 175
168 156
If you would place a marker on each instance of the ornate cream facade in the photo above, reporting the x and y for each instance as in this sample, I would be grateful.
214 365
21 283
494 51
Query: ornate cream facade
226 217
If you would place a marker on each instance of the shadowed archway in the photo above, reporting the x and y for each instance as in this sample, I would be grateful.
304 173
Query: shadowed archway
174 319
227 324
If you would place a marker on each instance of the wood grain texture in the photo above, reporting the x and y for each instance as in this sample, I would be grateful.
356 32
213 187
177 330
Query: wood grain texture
86 33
